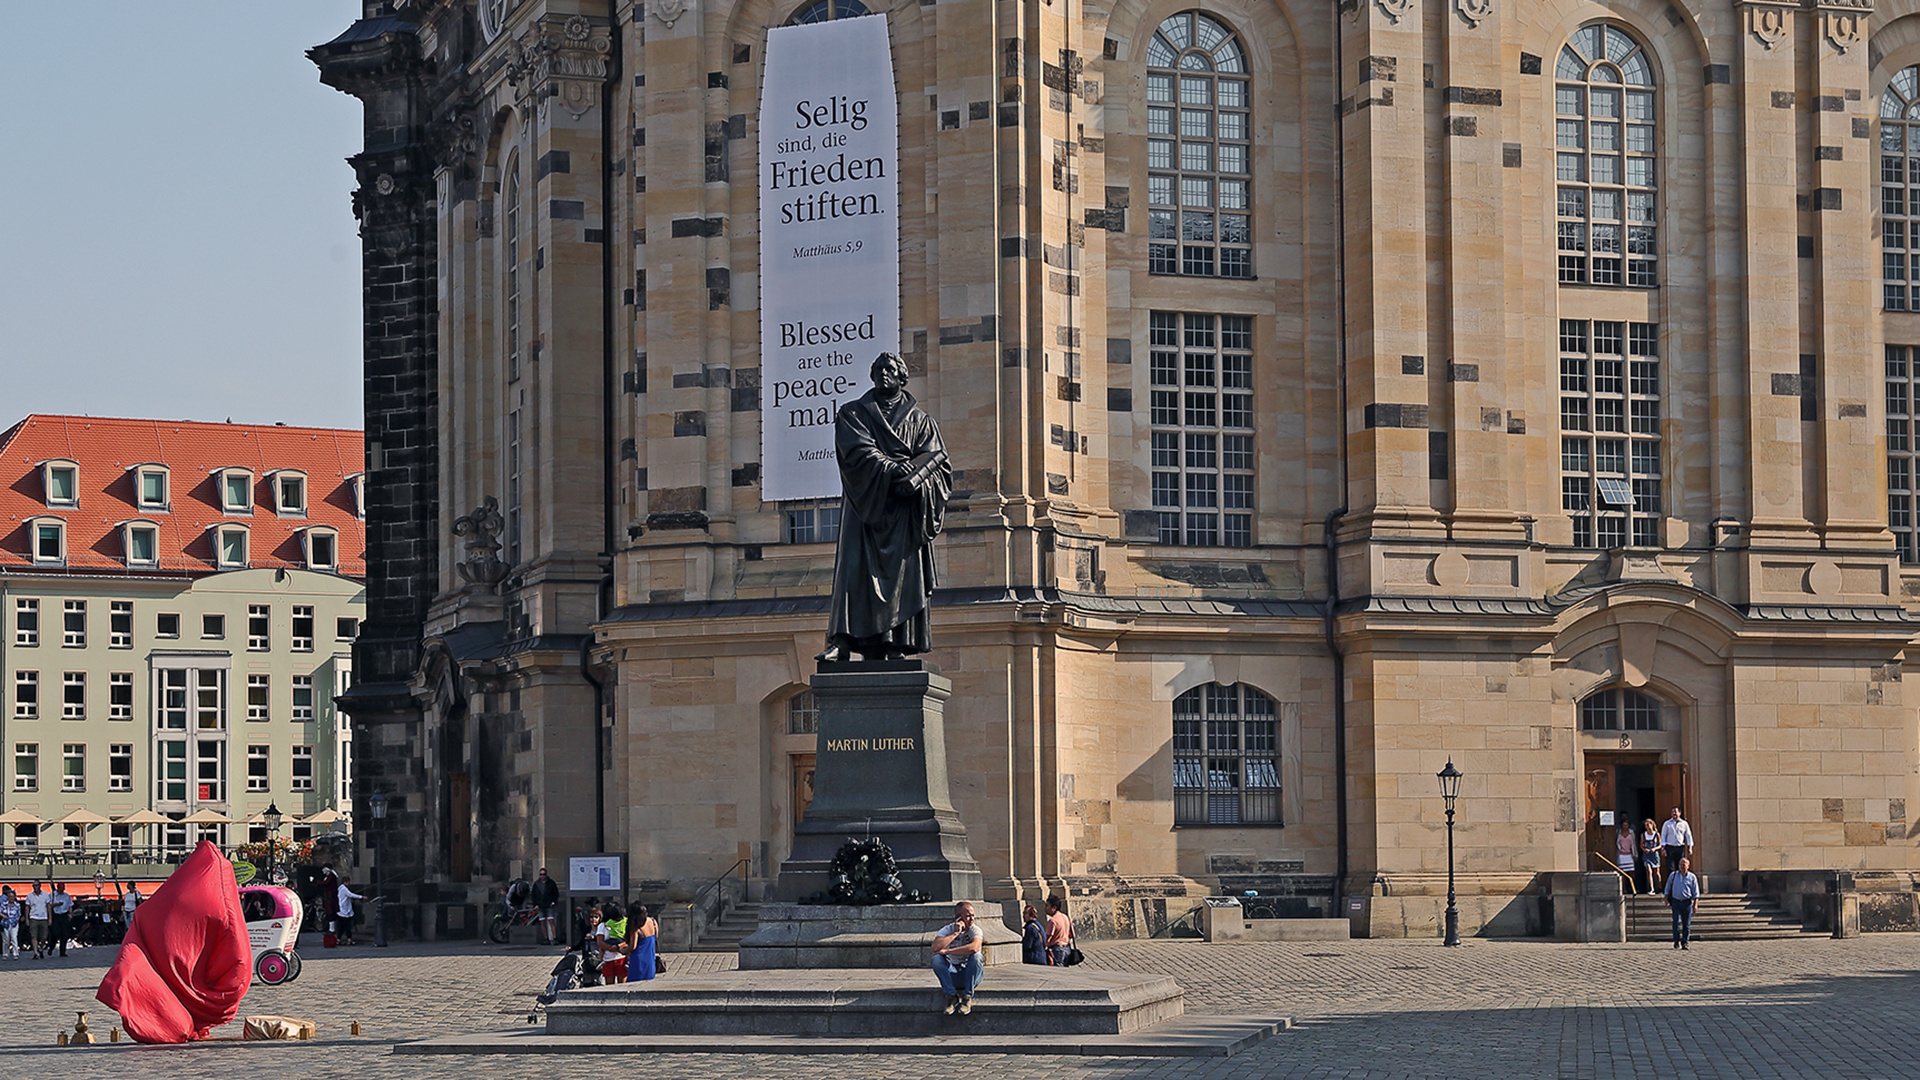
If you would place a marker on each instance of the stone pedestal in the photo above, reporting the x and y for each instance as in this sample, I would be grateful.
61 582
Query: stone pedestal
821 936
881 770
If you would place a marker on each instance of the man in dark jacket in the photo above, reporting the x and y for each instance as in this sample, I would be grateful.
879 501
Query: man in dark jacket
546 901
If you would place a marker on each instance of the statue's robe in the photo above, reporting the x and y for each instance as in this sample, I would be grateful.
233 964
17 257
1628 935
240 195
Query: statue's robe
895 479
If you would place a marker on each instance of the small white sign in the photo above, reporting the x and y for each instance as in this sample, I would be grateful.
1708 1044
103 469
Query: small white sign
594 873
1606 817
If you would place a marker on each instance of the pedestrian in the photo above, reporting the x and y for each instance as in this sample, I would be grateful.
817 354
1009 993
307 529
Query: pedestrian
39 919
956 959
546 904
1059 931
1624 850
10 911
330 902
610 940
643 943
1683 896
1650 855
62 917
343 904
128 902
1033 937
1676 838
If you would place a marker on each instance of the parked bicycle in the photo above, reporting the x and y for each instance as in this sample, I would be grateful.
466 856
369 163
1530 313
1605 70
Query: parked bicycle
1253 906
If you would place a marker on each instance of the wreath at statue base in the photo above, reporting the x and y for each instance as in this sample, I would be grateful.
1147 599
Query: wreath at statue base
863 872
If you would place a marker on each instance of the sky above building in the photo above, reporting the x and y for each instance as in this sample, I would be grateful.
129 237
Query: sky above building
176 227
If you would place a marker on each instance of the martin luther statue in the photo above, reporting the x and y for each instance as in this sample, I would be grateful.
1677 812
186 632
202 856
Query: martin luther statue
894 480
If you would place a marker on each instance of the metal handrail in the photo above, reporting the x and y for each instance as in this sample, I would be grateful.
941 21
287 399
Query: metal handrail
715 883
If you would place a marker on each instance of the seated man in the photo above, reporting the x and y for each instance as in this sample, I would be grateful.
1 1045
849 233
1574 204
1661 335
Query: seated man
956 959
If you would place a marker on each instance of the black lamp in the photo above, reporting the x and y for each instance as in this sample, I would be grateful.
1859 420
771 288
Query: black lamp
272 818
1450 790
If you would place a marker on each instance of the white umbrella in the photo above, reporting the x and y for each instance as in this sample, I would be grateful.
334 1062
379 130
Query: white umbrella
323 817
206 817
82 816
17 816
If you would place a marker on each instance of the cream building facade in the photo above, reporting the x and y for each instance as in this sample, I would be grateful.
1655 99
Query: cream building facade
1334 390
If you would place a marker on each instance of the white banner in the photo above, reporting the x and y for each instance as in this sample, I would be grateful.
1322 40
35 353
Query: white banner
829 240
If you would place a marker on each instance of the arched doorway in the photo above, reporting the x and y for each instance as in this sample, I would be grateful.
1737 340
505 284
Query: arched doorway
1632 774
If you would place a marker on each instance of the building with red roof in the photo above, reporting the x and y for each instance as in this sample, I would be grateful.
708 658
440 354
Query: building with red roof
179 600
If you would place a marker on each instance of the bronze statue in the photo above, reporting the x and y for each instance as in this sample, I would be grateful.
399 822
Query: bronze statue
894 481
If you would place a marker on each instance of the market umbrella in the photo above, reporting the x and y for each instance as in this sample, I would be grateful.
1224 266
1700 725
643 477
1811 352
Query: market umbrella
142 817
206 817
323 817
82 816
17 816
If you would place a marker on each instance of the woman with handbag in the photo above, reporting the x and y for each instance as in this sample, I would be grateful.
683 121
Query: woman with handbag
1059 931
643 940
1033 937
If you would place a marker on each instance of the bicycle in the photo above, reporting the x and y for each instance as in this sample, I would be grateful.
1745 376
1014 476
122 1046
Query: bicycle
1253 907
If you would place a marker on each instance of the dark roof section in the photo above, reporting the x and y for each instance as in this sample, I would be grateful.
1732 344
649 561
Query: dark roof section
1088 602
368 29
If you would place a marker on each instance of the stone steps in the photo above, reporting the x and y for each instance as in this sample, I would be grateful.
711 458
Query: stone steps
1719 918
724 936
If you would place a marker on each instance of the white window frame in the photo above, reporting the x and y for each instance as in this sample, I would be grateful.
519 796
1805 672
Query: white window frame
47 469
26 703
26 781
217 622
259 627
73 706
70 753
24 636
159 621
227 505
116 638
35 526
281 506
302 753
140 474
220 535
69 637
128 530
119 779
347 621
297 641
302 713
261 754
117 710
316 538
259 698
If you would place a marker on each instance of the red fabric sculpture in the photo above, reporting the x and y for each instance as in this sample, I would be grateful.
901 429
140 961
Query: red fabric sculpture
186 962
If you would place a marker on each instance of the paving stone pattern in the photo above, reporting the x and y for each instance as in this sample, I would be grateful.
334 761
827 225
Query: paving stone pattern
1368 1011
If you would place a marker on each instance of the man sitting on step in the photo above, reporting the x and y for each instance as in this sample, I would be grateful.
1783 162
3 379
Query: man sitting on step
956 959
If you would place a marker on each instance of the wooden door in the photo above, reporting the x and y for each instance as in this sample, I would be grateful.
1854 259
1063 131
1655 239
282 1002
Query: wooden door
460 826
1670 789
1600 837
802 785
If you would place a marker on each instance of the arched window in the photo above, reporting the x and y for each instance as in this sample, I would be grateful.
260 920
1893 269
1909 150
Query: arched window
1620 710
1199 150
825 10
1604 133
1900 190
1226 757
803 714
512 290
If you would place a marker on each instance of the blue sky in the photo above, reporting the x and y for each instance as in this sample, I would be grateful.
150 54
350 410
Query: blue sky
176 232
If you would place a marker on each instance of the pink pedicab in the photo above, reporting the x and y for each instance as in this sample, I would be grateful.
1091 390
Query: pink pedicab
272 916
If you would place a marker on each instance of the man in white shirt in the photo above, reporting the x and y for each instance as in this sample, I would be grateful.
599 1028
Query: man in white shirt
39 919
344 899
956 959
1676 839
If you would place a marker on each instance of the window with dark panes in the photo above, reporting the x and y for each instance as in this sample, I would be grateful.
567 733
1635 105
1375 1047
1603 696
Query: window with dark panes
1200 371
1610 435
1605 136
1199 150
1226 757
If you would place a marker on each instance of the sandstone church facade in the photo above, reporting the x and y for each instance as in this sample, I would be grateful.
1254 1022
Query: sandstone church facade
1333 390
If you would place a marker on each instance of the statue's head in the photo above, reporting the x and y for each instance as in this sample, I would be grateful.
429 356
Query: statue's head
889 373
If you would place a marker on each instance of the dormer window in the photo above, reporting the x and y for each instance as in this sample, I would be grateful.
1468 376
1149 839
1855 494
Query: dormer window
290 493
236 491
323 548
358 482
150 487
142 543
48 537
230 547
62 480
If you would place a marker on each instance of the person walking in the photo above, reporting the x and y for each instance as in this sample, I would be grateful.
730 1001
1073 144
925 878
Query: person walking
62 918
129 901
1033 937
546 905
1683 896
1059 931
1624 850
1676 839
343 903
10 912
1650 855
956 959
39 919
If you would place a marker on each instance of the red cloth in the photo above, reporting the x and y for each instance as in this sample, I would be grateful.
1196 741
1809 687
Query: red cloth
186 961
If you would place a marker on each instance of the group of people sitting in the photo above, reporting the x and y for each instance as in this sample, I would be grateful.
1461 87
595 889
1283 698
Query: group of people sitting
957 947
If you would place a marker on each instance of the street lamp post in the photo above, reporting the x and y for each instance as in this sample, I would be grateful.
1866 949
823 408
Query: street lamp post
272 819
1450 790
377 801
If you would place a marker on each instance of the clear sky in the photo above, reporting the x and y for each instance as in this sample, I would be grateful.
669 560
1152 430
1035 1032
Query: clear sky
176 227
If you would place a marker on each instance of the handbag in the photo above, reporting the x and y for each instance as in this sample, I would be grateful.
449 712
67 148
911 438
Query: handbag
659 965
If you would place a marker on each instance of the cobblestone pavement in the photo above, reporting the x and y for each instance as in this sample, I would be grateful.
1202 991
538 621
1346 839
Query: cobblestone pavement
1367 1010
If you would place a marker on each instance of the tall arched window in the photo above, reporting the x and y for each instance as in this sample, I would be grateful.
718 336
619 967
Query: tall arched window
512 343
1620 710
1900 190
1604 133
825 10
1226 757
1199 150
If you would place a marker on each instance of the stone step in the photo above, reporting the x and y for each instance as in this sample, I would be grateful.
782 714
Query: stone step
724 935
1015 999
1719 918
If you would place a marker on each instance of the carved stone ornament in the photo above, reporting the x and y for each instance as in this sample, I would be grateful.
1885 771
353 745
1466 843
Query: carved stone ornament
667 11
1473 12
1394 9
384 184
482 565
1769 24
570 52
1845 29
493 17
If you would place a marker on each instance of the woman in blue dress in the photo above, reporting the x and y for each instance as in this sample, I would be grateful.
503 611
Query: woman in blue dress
643 934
